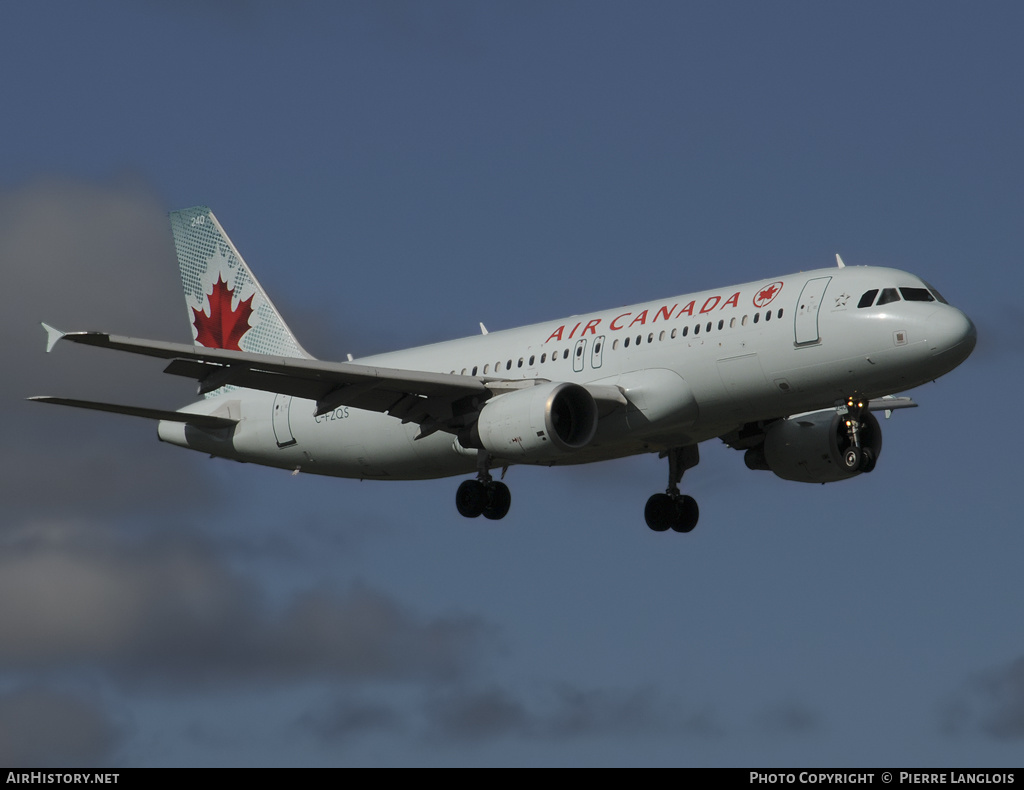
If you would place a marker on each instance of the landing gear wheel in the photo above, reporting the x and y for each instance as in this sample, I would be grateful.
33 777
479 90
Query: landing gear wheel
852 459
664 512
867 460
471 498
499 500
673 510
686 514
659 512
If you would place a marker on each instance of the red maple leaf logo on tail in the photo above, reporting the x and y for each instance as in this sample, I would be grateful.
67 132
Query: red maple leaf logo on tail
224 327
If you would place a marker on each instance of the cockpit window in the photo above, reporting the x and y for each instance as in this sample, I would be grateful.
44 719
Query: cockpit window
868 298
888 295
935 293
917 295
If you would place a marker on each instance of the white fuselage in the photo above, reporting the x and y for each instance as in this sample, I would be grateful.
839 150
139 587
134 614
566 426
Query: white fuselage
691 368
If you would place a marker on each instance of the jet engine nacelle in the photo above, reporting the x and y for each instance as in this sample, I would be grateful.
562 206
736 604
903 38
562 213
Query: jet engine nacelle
815 447
539 422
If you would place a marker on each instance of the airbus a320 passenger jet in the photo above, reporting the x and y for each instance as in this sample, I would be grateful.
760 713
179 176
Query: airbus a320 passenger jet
787 369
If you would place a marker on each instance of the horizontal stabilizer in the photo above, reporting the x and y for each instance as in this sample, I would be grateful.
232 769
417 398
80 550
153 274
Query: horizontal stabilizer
198 420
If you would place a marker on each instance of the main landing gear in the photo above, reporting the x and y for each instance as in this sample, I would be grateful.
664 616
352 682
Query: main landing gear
672 509
484 496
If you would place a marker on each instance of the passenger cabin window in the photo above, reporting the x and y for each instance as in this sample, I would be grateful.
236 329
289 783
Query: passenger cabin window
888 295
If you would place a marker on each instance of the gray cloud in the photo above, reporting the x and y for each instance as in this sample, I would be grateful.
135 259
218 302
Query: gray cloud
991 702
480 715
85 256
349 718
165 609
45 728
566 712
789 718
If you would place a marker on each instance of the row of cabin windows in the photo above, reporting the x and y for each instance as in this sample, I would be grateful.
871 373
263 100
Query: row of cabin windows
676 332
893 295
709 326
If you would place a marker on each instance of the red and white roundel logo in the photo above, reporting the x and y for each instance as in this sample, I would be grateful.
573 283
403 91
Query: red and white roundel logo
765 296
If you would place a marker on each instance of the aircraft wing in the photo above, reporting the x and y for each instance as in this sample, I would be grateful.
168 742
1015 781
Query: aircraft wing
411 395
435 401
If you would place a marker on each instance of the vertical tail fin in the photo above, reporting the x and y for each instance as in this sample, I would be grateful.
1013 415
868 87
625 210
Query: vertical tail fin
227 307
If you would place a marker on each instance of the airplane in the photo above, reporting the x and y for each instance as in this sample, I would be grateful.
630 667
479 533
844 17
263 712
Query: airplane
789 370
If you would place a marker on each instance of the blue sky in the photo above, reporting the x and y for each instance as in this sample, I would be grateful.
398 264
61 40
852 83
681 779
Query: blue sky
396 172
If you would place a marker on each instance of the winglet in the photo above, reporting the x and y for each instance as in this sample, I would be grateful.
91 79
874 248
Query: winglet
483 329
839 262
52 336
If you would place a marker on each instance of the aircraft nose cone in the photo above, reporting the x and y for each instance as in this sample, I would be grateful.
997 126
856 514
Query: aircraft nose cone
952 335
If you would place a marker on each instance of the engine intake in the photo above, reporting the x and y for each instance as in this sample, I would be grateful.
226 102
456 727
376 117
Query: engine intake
816 447
536 423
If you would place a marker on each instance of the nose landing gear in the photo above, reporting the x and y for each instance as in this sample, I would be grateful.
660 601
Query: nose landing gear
673 510
858 455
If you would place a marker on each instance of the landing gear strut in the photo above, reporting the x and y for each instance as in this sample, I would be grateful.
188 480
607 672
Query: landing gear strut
857 457
484 496
672 509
